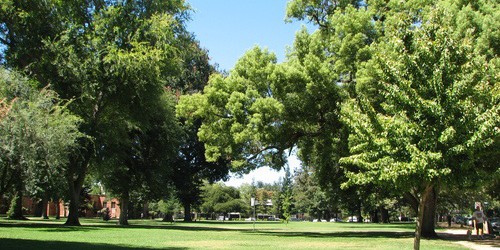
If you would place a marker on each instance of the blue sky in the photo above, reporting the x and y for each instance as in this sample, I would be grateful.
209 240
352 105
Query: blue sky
228 28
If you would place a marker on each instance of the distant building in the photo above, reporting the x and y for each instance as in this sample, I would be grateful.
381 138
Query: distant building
96 204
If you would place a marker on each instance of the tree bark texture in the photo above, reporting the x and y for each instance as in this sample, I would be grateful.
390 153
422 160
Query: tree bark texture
74 204
429 222
421 207
124 210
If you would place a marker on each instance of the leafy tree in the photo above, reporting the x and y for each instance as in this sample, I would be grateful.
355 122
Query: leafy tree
306 192
286 195
141 161
168 207
191 167
218 198
427 107
113 57
37 135
240 117
247 192
262 109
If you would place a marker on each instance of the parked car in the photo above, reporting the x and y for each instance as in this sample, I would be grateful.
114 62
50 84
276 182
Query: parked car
459 219
335 220
468 221
353 219
495 224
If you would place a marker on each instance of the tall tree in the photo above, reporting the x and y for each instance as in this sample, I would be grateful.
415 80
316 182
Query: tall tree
141 161
37 135
191 167
286 195
113 57
427 104
238 115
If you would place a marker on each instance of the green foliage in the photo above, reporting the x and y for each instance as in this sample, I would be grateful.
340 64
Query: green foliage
114 58
433 114
166 206
286 196
37 135
218 198
425 108
14 207
239 115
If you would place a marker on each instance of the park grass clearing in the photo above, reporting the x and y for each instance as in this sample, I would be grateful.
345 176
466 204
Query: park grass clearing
153 234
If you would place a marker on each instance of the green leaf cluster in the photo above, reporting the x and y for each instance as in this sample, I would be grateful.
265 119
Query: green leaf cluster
37 135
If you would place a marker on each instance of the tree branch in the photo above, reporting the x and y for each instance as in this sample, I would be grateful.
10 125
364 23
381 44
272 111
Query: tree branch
260 151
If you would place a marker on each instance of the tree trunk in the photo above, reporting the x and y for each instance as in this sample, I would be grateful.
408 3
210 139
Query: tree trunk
74 205
75 176
145 210
420 218
384 215
38 209
168 218
44 202
187 212
124 210
359 215
374 216
429 219
58 209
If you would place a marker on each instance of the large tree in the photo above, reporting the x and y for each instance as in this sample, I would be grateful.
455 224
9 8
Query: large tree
191 167
140 159
427 104
239 114
113 57
37 134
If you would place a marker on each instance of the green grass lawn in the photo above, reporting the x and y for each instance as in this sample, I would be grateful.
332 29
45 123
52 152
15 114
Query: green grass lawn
149 234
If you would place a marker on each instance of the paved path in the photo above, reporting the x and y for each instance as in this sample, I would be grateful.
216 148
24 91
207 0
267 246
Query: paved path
460 236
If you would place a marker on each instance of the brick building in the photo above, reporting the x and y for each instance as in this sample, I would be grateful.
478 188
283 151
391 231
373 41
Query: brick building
96 204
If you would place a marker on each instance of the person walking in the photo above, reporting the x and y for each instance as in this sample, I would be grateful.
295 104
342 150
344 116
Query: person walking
479 218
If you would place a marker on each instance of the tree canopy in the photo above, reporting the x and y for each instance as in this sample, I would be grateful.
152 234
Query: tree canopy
401 96
37 135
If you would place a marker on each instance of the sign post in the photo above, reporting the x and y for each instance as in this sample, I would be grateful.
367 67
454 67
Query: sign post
252 203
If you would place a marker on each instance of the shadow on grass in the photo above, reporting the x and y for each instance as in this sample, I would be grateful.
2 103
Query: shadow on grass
230 222
41 245
373 235
213 226
489 240
48 227
57 227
